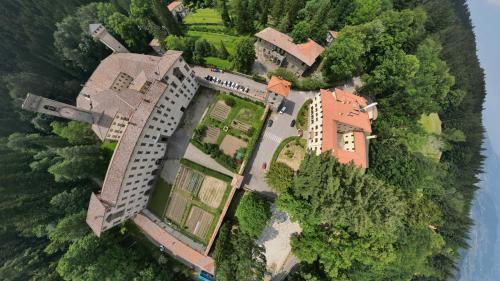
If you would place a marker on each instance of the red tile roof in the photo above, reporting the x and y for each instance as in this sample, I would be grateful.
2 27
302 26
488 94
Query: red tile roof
342 107
306 52
173 5
279 86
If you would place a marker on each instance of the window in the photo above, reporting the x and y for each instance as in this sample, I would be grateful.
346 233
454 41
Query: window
113 216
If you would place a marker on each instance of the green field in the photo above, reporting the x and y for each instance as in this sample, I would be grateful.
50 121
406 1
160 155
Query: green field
431 123
207 24
204 16
220 63
430 143
215 38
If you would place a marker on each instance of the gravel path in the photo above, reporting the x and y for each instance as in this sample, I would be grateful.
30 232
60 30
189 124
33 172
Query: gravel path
276 241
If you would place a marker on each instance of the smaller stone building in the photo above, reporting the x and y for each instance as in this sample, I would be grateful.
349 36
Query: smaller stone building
277 90
279 49
331 36
178 9
340 122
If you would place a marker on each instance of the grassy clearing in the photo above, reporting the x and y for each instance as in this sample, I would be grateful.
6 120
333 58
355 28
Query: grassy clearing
431 123
218 62
282 145
203 16
292 154
159 198
215 38
207 24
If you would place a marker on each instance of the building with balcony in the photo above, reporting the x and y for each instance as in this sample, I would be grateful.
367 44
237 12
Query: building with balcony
279 49
340 122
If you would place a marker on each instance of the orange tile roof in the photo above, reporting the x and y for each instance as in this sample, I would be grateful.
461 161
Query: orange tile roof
359 156
344 107
279 86
306 52
173 5
176 247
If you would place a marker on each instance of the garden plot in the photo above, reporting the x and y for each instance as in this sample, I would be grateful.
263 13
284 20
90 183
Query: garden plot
189 180
220 111
212 191
211 135
176 207
199 221
238 125
231 144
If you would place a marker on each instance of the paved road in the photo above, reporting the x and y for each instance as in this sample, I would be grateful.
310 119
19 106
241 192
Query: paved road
269 141
256 91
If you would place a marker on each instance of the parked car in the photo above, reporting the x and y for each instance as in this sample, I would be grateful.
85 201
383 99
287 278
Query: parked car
205 276
270 123
246 90
292 124
215 70
264 166
282 110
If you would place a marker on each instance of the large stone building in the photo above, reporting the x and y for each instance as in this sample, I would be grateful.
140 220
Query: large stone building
278 48
340 122
138 101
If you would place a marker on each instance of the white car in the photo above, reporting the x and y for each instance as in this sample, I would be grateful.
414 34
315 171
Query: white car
282 110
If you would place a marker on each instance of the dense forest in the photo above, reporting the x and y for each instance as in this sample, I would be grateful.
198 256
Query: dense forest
405 219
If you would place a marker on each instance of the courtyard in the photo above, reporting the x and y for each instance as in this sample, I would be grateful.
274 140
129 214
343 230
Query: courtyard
193 203
229 130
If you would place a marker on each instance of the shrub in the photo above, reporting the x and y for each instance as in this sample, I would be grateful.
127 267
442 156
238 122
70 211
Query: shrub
302 115
253 213
285 74
229 101
258 78
310 83
280 177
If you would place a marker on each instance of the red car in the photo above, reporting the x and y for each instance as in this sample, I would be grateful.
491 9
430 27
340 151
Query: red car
264 166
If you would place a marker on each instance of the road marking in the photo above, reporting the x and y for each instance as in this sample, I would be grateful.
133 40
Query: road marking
273 137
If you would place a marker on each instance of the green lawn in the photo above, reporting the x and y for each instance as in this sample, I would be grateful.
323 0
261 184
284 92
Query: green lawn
218 62
207 24
215 38
203 16
159 197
